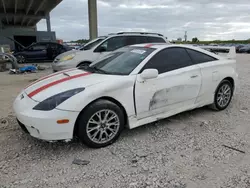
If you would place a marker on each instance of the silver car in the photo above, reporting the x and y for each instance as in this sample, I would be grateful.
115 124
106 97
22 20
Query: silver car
102 46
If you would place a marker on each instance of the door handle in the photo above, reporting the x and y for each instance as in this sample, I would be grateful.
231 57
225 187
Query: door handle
194 76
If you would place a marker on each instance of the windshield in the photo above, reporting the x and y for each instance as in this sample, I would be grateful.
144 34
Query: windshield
122 61
92 44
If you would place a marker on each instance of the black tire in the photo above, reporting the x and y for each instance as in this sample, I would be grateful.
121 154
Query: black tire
99 106
216 105
84 64
21 59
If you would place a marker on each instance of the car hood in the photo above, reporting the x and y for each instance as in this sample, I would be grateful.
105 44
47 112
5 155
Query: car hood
65 54
77 52
63 81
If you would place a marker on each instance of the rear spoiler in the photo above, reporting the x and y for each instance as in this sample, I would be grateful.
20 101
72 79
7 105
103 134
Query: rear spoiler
227 52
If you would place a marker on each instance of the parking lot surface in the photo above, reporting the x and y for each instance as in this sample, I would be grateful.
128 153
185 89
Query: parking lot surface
184 151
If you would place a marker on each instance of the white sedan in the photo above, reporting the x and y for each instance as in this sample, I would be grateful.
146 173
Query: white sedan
130 87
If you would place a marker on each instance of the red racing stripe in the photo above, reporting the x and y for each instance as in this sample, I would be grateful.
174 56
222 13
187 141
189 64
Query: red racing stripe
55 83
148 45
49 76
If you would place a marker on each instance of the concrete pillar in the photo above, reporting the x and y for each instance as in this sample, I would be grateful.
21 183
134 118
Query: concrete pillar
48 22
92 8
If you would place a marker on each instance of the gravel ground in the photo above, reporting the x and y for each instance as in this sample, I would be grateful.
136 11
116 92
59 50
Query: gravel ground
184 151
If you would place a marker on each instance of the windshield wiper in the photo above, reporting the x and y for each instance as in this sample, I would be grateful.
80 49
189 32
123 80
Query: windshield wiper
100 70
93 69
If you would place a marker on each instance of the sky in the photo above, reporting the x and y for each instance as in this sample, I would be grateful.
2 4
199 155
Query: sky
204 19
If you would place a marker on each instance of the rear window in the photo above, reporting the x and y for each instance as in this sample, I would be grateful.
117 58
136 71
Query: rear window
199 57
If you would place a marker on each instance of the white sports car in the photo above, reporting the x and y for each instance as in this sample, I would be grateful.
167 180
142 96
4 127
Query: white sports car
130 87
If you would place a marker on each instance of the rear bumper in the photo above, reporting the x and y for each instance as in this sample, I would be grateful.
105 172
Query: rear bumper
43 124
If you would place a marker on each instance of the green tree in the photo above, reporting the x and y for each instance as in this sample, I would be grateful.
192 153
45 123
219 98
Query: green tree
195 39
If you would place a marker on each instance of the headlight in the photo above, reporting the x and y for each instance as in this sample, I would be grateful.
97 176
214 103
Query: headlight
68 57
52 102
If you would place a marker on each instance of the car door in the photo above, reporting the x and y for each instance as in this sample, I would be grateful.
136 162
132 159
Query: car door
108 46
37 52
60 49
54 50
174 90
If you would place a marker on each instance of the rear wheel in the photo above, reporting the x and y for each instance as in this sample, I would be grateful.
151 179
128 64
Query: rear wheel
100 124
223 95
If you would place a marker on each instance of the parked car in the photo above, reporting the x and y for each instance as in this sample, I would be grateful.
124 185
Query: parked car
238 47
245 49
40 51
74 47
101 46
129 87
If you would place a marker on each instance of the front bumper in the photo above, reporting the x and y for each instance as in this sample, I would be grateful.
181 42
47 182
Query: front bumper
43 124
59 66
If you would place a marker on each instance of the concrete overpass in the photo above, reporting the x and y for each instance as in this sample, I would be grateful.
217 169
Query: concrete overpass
18 19
26 13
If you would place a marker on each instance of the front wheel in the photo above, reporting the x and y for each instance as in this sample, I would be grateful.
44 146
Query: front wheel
100 124
21 59
223 95
84 64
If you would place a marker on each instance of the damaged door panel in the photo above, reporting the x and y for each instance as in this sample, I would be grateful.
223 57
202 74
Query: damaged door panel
170 90
169 96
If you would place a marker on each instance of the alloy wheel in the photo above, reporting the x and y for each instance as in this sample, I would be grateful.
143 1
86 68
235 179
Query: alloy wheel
21 59
224 95
103 126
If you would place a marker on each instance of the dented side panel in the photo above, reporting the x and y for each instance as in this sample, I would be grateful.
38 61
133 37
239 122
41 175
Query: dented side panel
171 95
167 91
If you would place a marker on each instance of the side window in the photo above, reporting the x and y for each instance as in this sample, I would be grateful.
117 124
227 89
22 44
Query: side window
59 47
53 46
199 57
38 47
141 40
156 40
169 59
112 44
130 40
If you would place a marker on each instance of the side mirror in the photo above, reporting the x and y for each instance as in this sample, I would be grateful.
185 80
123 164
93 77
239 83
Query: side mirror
102 49
149 74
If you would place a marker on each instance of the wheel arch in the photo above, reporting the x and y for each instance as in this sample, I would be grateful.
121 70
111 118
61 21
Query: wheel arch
231 80
89 62
111 99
